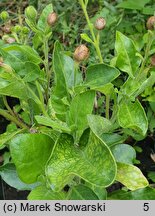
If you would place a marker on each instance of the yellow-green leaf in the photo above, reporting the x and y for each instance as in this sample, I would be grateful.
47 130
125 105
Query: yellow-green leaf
131 176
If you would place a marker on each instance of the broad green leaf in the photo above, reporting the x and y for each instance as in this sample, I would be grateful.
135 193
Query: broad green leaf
86 38
13 85
111 139
69 68
149 10
37 40
151 175
18 56
82 192
42 22
103 127
130 176
31 72
15 89
145 84
30 153
132 115
60 108
23 52
133 133
127 60
80 88
107 89
133 87
130 87
13 61
49 132
9 174
84 138
80 107
147 193
98 124
101 192
60 89
133 5
64 67
55 124
95 164
44 193
100 74
7 136
124 153
152 105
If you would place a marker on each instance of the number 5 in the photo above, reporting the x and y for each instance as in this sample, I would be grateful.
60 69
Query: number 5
146 207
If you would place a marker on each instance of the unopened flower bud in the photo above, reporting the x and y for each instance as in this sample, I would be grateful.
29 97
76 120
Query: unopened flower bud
100 23
52 18
151 23
6 29
10 40
4 15
81 53
31 13
25 30
17 29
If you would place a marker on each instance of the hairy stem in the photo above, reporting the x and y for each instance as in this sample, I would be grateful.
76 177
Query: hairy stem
46 64
7 106
95 40
107 106
5 114
147 50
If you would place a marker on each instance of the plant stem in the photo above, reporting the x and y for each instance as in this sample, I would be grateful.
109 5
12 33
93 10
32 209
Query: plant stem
76 66
107 105
7 106
42 104
148 47
5 114
46 64
95 40
96 43
37 100
99 52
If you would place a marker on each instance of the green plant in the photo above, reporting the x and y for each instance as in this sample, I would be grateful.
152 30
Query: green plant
59 148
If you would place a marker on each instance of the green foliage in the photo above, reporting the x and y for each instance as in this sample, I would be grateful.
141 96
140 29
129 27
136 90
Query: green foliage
82 192
77 116
124 153
9 174
132 115
126 60
30 153
73 119
43 193
94 164
130 4
147 193
99 75
131 176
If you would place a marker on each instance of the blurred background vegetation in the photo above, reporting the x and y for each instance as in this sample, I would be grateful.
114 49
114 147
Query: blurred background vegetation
127 16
